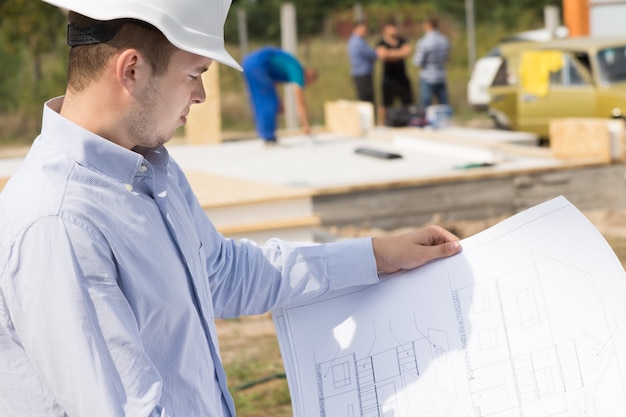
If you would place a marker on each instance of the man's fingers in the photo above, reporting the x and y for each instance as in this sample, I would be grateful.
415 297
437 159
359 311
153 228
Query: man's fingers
440 235
430 253
451 248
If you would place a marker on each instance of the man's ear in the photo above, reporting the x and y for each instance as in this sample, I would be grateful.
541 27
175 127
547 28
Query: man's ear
131 69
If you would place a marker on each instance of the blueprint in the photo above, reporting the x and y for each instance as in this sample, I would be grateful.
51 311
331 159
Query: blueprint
529 320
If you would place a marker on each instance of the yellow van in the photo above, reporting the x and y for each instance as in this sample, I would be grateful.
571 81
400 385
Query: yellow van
574 77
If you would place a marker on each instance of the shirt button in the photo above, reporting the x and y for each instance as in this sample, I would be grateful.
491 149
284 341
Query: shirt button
143 168
129 187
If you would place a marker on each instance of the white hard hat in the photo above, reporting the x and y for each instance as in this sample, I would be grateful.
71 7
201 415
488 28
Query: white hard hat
195 26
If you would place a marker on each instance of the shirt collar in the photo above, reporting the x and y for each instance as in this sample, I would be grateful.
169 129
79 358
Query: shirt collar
94 151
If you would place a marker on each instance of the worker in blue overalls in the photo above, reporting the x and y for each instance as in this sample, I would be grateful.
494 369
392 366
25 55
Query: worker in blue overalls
263 69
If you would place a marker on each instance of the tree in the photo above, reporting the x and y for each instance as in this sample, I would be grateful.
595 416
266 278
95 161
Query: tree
34 24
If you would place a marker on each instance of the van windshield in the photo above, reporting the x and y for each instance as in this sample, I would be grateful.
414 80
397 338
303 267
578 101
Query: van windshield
612 64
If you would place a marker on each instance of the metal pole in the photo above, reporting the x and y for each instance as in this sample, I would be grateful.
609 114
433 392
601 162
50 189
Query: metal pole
471 33
358 12
552 20
242 27
289 42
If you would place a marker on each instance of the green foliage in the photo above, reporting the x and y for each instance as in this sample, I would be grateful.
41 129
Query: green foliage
264 15
257 388
31 67
34 23
10 75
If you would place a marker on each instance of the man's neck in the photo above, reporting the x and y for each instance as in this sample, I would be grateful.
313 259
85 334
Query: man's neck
93 110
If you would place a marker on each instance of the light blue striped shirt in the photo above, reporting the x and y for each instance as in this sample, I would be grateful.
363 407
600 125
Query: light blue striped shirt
431 54
111 276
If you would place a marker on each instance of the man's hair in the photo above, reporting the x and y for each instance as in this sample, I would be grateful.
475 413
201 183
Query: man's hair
86 62
433 22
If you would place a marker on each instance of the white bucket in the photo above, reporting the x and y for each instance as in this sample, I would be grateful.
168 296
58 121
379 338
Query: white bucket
439 115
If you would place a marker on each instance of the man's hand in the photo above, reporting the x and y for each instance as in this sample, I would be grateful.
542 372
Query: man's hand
414 249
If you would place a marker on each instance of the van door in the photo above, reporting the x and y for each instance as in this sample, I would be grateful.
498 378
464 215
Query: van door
567 92
503 97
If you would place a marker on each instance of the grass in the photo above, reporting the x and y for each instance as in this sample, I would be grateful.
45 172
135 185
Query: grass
256 379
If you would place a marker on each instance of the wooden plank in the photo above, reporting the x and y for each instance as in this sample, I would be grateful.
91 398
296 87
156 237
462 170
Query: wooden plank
13 151
300 222
204 122
587 138
384 208
219 191
350 118
588 187
260 212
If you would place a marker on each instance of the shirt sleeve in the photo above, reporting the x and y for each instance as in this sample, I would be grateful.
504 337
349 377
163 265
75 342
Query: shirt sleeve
420 54
367 51
78 334
246 278
254 279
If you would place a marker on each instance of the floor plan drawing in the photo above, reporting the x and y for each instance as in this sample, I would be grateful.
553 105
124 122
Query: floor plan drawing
552 375
528 322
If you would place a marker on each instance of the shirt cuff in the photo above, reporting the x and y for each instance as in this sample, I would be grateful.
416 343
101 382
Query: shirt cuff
351 262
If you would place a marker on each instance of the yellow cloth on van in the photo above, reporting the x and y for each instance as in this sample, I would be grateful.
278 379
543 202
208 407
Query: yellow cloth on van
535 69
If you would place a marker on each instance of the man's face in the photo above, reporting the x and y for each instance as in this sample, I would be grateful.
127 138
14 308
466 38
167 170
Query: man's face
163 103
361 30
390 31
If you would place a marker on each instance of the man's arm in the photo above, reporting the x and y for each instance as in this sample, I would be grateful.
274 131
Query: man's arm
365 51
404 51
302 109
387 54
420 54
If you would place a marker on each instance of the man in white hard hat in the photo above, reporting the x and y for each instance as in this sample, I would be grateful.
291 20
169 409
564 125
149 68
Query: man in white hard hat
111 275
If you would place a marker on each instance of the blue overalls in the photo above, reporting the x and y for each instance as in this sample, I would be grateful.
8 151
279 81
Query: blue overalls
262 69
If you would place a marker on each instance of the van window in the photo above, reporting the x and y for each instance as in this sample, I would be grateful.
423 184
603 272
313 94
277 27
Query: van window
502 76
568 75
612 64
583 58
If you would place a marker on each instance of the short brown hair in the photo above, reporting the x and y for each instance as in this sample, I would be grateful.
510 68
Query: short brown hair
433 21
86 62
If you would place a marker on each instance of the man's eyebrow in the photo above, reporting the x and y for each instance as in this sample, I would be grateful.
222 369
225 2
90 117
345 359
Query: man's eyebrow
202 69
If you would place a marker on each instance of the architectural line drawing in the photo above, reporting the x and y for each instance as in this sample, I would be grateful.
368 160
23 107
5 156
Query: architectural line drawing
511 330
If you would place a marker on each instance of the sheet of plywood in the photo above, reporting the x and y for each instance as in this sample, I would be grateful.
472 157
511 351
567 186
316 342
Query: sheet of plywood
255 210
574 138
351 118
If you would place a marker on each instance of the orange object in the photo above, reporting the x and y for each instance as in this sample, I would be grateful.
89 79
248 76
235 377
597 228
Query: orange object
576 17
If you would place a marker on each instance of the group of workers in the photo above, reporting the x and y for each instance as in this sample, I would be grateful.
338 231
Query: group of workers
266 67
431 55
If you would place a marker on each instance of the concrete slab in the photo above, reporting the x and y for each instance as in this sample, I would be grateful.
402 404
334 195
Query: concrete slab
347 187
331 162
